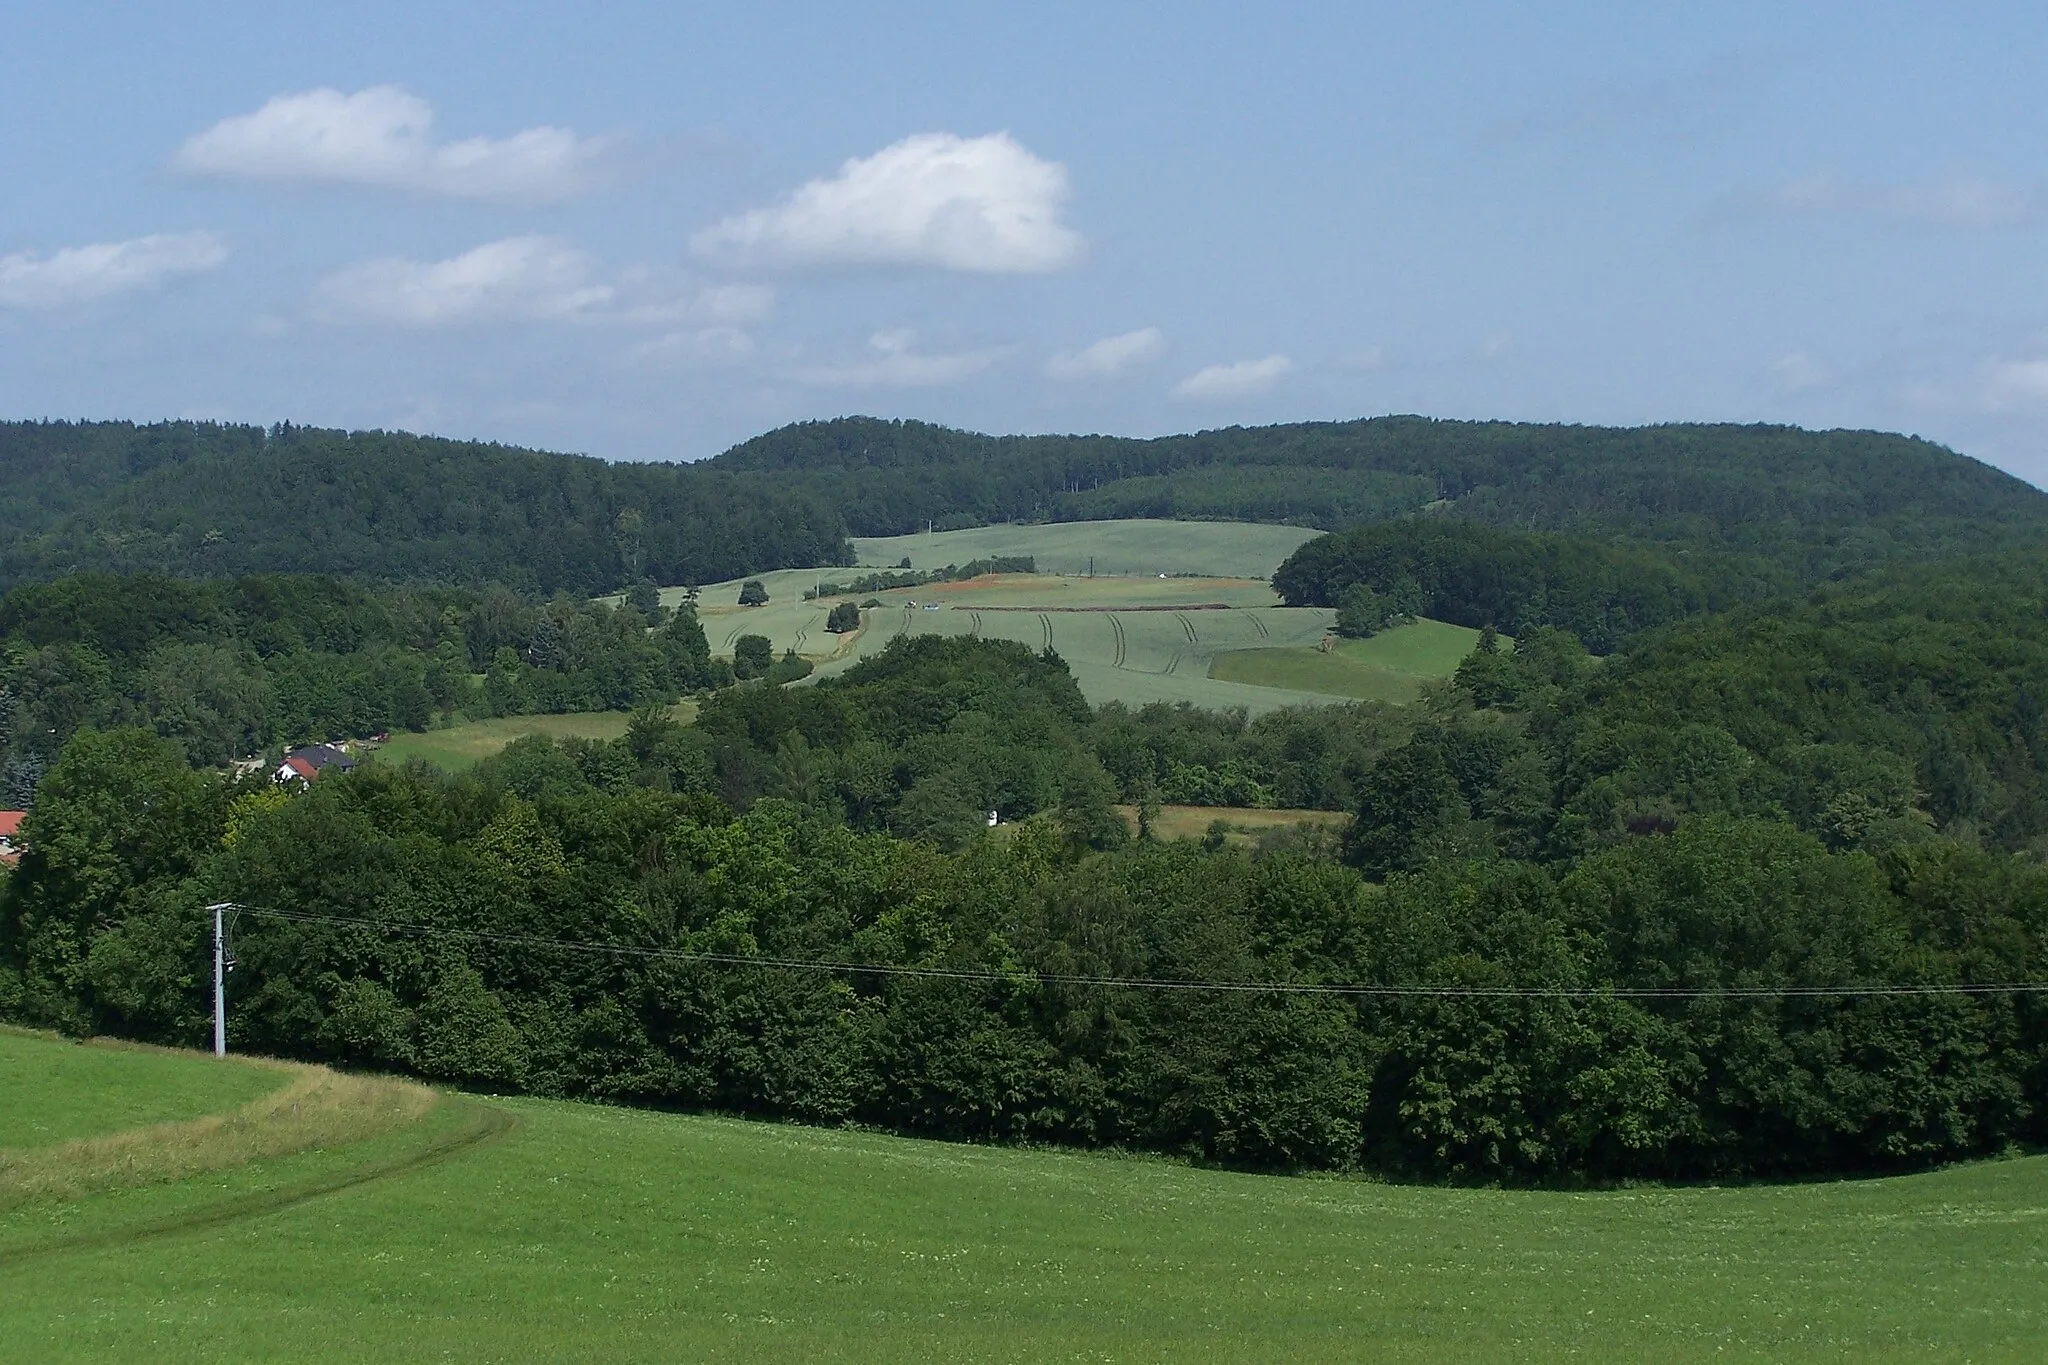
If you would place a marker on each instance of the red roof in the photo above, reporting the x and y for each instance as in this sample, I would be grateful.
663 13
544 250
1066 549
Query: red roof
10 823
302 767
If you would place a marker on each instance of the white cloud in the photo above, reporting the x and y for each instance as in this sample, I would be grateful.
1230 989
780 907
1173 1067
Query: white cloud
1799 372
689 348
1241 380
84 274
1958 203
527 279
2011 383
1109 357
1371 358
980 204
384 137
892 364
518 279
1498 346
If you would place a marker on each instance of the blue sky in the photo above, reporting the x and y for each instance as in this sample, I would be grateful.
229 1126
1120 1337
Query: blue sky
647 231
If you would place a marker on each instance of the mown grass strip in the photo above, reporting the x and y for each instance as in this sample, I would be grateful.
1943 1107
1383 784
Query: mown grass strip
315 1108
453 1125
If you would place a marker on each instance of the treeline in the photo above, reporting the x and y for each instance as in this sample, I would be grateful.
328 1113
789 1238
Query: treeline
1803 504
205 500
903 576
1514 581
230 669
202 500
968 995
1867 714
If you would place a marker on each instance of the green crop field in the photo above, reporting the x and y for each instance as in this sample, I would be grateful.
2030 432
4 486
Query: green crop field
1227 549
501 1230
463 746
1390 666
1127 633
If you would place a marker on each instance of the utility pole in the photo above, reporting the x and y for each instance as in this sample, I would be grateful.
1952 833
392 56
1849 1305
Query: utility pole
220 978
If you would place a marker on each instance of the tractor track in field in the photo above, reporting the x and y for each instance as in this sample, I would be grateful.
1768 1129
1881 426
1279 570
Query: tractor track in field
1045 625
732 635
1260 626
1171 664
481 1125
1116 628
1188 626
798 643
974 624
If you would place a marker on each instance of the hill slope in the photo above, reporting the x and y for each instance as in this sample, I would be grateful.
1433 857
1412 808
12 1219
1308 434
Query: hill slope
1810 501
205 500
700 1237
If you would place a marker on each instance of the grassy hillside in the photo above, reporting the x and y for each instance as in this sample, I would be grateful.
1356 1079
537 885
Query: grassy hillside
590 1233
1138 547
462 746
1119 631
1390 666
58 1091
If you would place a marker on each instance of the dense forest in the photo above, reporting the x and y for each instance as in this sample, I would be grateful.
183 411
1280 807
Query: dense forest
229 669
1720 856
198 500
1825 817
1808 503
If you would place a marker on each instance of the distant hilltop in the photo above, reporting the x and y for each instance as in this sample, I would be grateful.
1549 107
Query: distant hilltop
208 500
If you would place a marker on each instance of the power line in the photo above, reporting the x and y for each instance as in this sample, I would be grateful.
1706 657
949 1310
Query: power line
1157 983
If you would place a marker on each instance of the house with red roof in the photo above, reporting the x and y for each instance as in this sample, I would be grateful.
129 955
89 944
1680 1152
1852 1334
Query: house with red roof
10 836
303 765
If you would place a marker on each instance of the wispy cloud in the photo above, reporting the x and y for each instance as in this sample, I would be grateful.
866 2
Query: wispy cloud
86 274
383 137
1682 104
2012 384
1242 379
891 362
982 204
1109 357
525 279
1800 372
1956 203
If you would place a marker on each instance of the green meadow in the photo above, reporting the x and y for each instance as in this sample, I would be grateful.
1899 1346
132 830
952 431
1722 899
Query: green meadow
1140 548
512 1230
463 746
1210 632
1390 666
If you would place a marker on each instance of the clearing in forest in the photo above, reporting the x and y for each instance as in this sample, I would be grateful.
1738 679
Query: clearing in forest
463 746
492 1229
1169 600
1390 666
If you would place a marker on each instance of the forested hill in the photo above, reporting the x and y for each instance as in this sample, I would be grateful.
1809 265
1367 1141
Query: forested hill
1813 501
206 500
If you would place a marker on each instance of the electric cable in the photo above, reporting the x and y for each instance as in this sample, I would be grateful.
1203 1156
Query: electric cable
1155 983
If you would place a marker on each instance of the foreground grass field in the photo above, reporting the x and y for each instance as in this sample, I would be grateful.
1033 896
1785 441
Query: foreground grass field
463 746
51 1093
592 1234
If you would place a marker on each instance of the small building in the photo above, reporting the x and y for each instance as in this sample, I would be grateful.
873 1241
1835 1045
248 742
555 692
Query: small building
10 836
303 765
